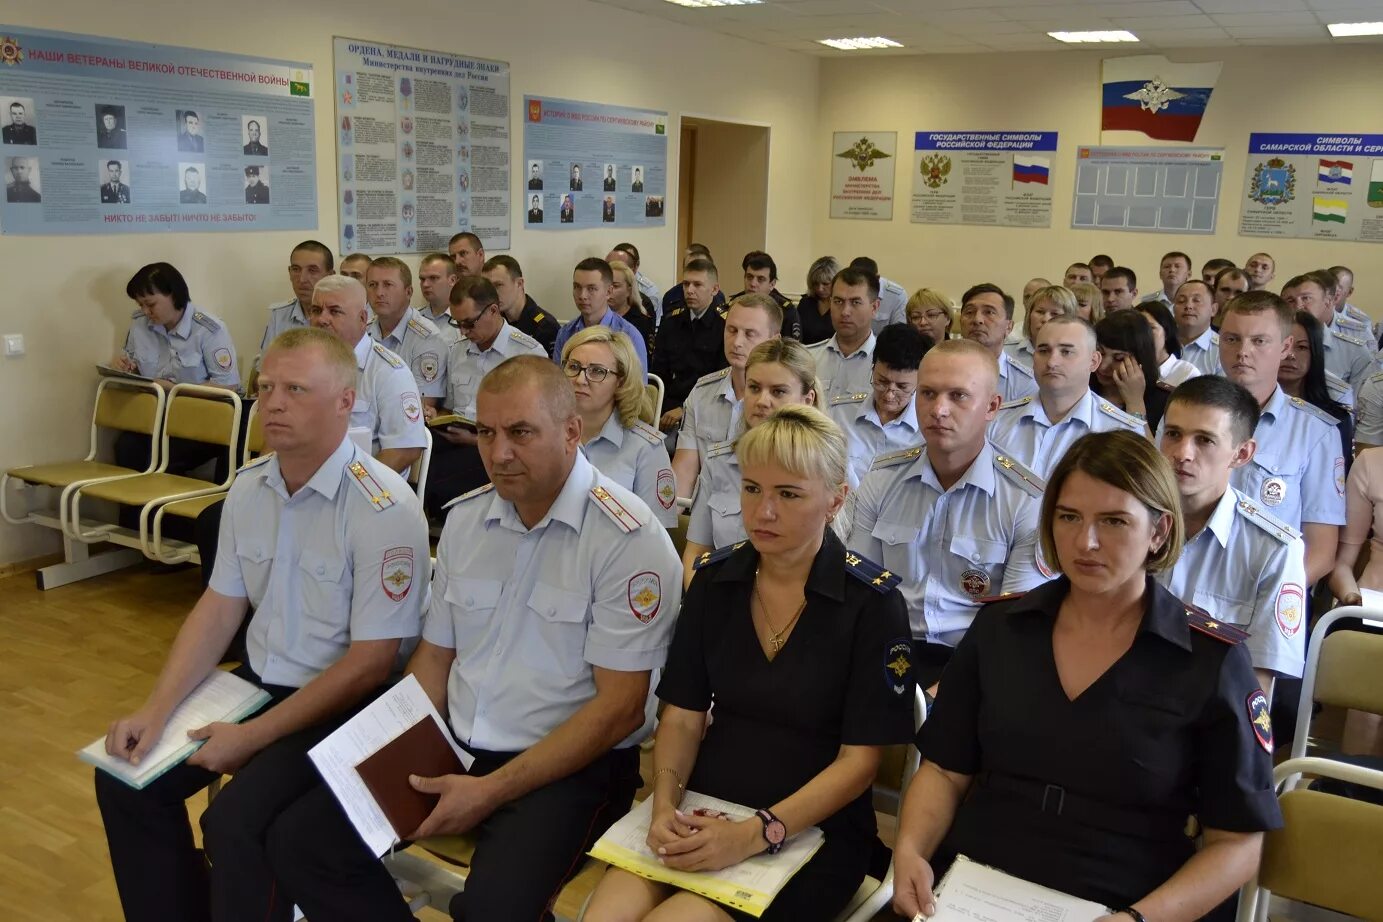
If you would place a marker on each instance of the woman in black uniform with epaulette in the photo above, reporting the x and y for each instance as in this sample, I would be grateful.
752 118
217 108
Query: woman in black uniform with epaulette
1079 726
804 648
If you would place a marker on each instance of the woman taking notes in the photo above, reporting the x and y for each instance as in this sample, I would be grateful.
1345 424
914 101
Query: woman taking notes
792 637
1079 725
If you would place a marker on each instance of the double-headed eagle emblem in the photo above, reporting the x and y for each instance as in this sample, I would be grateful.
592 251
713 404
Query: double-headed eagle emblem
1154 96
862 154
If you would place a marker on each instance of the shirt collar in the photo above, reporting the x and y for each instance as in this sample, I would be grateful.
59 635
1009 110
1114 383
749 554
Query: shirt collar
612 431
569 507
182 329
1276 404
826 577
907 419
501 338
1205 341
979 474
327 479
1165 616
1221 521
867 347
362 351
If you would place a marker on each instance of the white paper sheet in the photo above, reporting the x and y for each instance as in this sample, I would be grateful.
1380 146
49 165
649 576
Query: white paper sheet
973 892
1372 598
377 725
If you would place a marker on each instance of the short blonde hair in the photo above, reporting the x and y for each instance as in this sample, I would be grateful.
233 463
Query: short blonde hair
1129 462
800 439
793 356
924 298
1059 295
631 399
398 265
1088 292
338 356
621 268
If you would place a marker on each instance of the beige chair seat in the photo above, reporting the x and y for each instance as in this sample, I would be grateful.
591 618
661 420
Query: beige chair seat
137 491
68 472
454 849
191 508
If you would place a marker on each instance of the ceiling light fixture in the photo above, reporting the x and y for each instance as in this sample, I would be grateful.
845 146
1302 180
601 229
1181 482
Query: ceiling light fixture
702 4
1119 35
1351 29
859 44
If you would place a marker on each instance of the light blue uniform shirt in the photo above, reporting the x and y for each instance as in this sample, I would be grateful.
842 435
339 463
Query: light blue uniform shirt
450 334
1020 352
710 413
529 612
1023 430
1204 352
467 364
1248 569
655 294
636 459
866 437
613 321
343 559
893 306
1369 427
842 374
1016 380
1298 471
415 340
1348 357
282 317
715 513
198 350
951 547
386 399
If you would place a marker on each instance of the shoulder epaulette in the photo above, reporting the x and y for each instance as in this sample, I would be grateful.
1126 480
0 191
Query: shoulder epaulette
1215 337
1006 597
1377 377
722 310
206 320
1013 363
677 311
1030 483
1110 410
717 555
378 496
1314 410
618 513
471 495
870 573
139 312
256 462
720 448
894 458
422 329
1335 381
711 378
848 398
388 356
286 305
651 435
1352 340
783 300
1268 522
519 336
538 317
1020 402
1198 619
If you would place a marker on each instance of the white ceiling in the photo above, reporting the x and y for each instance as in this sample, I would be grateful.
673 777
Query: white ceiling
974 26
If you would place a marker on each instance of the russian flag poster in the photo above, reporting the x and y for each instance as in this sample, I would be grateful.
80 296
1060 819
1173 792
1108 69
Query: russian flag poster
1151 96
1028 169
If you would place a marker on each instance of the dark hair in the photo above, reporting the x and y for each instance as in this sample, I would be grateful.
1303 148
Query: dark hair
1163 318
1125 273
1085 266
853 275
632 251
1217 264
1220 393
476 287
115 163
1176 254
254 122
1230 272
1127 331
1313 387
191 169
758 259
596 264
866 263
321 249
992 289
505 262
703 264
901 346
1210 289
191 112
1101 260
700 249
159 279
468 237
251 171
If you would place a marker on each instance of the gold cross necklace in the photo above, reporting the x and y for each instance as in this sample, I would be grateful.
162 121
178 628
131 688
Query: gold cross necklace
776 639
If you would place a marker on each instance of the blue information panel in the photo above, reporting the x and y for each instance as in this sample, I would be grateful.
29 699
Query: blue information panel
589 165
101 136
1318 186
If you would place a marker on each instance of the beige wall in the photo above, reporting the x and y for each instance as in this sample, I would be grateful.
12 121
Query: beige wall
1307 89
729 204
66 294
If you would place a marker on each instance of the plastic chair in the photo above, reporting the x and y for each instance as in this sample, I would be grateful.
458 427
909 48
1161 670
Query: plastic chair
655 391
195 412
417 472
1327 852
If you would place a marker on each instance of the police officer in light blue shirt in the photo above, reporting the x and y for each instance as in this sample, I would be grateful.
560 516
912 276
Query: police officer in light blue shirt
1297 473
187 346
402 329
845 361
1346 356
1194 309
309 263
1240 564
893 298
592 281
1037 430
986 317
553 603
956 518
884 419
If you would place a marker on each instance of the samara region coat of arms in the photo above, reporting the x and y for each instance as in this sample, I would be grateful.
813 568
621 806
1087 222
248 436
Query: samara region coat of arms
935 169
1273 183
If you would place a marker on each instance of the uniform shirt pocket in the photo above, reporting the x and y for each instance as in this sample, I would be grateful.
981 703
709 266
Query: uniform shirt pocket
1227 608
326 593
255 561
189 367
556 639
981 563
898 540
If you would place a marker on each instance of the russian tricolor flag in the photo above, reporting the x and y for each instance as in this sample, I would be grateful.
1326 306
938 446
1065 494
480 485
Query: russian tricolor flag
1031 169
1153 96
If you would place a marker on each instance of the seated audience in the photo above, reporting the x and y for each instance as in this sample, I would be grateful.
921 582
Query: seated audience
604 374
1229 283
591 282
321 645
844 362
1119 289
931 313
650 295
1033 286
1089 304
1099 264
1261 268
1194 310
517 305
1214 267
986 317
761 277
467 252
1128 374
355 266
1303 375
625 300
884 419
1082 723
1077 274
675 297
692 337
1173 271
807 755
437 275
1166 347
309 263
1043 305
778 372
402 329
814 310
1346 356
893 298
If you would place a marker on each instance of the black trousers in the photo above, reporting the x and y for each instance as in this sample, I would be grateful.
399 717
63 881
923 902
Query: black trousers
525 851
455 469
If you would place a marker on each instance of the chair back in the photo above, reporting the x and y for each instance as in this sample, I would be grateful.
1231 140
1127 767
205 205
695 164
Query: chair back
207 415
417 472
654 388
254 436
898 764
1348 674
129 406
1327 853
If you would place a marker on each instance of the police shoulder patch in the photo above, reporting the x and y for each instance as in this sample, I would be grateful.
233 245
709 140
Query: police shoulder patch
1016 473
1113 412
1198 619
1260 719
206 320
712 378
647 432
1266 521
478 491
847 398
1020 402
388 356
717 555
1313 410
895 458
878 578
898 664
720 448
623 517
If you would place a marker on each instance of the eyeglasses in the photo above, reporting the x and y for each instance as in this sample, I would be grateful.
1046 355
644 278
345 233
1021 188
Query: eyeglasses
465 326
594 373
887 387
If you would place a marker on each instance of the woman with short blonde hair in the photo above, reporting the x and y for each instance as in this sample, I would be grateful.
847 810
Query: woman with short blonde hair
1089 302
931 312
627 301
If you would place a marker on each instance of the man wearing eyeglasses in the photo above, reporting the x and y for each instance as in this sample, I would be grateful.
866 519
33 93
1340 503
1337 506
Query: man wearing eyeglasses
884 418
486 341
